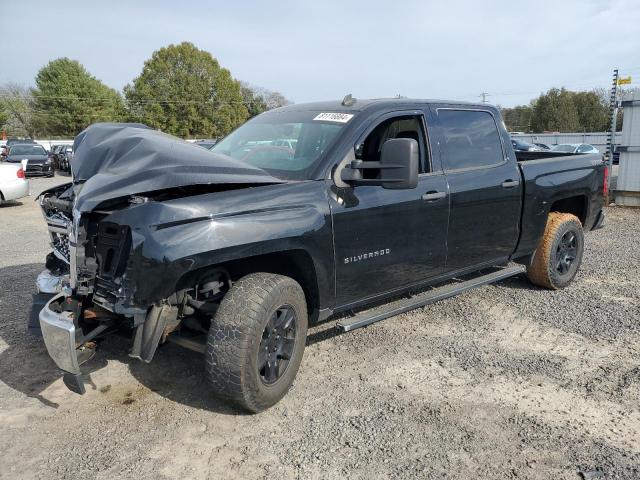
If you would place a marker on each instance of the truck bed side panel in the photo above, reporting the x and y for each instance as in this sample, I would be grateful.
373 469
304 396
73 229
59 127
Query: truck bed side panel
549 180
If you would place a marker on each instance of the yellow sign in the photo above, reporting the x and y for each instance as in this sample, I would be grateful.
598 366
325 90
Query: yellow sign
624 81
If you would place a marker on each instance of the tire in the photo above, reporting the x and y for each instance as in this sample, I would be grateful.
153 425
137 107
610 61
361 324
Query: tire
559 253
241 358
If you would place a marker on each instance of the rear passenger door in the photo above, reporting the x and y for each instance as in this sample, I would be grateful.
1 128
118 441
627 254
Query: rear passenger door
484 185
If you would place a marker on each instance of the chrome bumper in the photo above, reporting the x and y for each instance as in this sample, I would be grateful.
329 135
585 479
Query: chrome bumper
59 333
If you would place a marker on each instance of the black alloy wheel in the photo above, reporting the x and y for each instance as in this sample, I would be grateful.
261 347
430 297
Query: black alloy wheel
277 344
566 252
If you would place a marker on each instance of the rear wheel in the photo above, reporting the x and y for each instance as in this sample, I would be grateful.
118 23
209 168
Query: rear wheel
559 253
256 340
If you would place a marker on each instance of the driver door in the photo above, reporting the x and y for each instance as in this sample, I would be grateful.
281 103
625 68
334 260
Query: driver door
386 240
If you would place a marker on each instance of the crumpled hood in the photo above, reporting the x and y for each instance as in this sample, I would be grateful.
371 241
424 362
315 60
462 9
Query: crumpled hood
113 160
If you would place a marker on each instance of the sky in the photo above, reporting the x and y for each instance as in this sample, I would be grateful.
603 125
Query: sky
324 49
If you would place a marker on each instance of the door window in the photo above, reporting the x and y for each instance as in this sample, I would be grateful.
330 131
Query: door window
470 139
397 127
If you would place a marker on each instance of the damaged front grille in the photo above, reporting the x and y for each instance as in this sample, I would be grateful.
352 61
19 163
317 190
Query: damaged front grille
59 226
111 248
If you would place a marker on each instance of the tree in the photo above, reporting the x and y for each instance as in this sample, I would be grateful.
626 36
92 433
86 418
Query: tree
593 113
274 99
255 103
183 91
555 111
17 103
67 99
258 99
4 116
517 119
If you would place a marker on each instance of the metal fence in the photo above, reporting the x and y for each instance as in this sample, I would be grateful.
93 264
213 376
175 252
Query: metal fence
597 139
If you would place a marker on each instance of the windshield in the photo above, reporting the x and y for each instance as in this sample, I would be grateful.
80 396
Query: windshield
564 148
288 145
27 150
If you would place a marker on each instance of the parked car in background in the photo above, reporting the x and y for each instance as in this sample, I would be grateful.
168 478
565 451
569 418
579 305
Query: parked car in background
3 151
53 154
16 141
208 144
542 146
65 155
575 148
37 162
286 142
13 184
522 146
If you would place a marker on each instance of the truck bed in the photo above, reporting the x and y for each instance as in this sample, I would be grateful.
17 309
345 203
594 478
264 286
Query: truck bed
538 155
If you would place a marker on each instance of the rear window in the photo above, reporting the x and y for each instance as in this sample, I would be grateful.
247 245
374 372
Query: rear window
471 139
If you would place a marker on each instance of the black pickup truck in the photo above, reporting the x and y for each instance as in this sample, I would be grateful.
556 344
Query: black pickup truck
355 210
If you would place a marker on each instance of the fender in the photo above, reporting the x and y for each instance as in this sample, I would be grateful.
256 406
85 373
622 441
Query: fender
173 238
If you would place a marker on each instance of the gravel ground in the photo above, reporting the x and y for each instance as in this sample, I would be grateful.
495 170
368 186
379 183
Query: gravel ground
508 381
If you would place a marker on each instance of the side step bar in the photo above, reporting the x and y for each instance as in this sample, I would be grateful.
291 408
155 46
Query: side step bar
373 315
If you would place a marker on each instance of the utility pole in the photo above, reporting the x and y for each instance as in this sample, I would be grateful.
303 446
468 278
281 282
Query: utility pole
484 97
613 111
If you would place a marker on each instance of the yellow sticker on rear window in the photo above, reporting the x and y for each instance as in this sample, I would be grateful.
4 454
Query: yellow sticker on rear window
334 117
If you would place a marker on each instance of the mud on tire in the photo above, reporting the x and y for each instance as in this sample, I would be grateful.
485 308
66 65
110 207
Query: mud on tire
559 253
251 337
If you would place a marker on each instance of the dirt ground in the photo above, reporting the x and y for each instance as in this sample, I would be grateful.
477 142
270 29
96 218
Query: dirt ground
507 381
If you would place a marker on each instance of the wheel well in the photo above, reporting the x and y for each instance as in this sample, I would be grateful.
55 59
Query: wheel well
296 264
574 205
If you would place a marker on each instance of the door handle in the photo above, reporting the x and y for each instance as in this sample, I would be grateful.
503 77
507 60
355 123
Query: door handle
431 196
510 183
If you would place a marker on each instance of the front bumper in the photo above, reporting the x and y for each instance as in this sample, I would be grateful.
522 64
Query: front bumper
59 334
38 170
64 347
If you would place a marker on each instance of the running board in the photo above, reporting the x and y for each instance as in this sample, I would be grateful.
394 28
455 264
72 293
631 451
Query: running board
397 307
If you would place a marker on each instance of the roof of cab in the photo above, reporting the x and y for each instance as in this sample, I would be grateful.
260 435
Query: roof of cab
372 103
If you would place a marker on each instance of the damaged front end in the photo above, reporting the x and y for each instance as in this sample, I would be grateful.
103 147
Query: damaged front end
112 267
108 290
86 271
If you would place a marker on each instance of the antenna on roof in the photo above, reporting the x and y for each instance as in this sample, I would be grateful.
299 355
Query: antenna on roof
348 100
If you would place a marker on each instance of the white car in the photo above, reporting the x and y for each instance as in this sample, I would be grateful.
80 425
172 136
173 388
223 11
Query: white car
13 184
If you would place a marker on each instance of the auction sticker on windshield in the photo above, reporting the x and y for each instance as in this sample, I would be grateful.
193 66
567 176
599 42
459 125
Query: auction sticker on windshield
334 117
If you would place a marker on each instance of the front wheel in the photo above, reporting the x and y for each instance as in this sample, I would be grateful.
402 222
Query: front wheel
559 253
256 341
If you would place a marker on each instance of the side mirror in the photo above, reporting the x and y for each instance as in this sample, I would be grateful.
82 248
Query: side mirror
397 168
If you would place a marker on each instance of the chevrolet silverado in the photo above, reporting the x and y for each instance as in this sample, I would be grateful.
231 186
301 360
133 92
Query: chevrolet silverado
370 208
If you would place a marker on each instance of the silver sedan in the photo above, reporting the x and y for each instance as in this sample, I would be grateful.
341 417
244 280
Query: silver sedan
575 148
13 184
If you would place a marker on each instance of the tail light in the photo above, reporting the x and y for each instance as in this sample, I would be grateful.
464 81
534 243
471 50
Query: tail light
605 186
20 173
